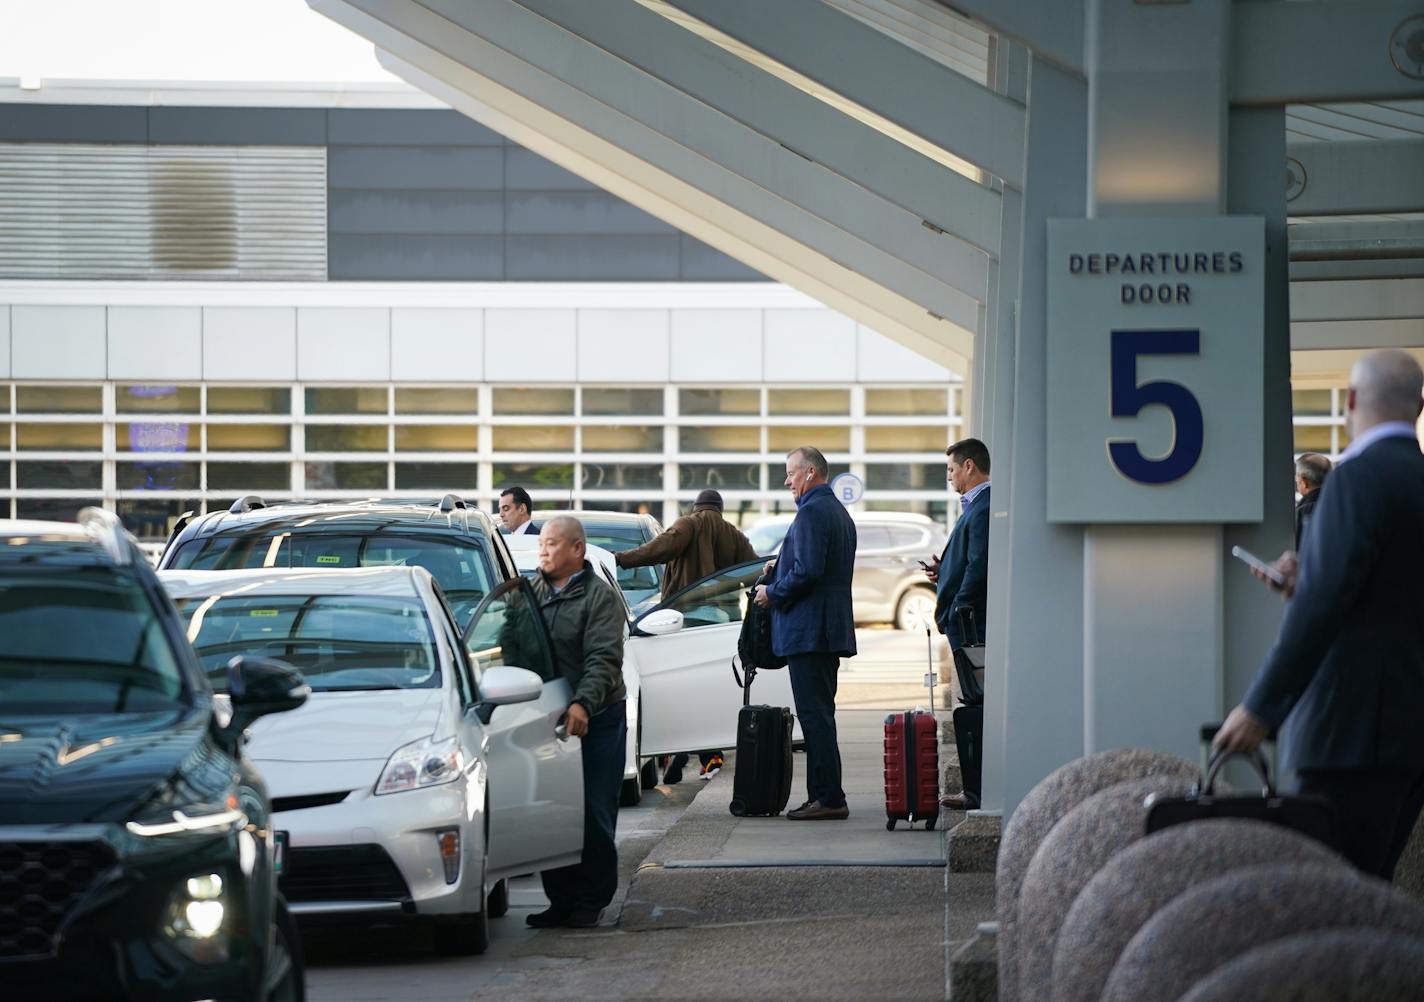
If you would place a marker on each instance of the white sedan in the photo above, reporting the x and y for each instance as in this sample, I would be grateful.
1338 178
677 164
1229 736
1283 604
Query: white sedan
426 767
681 652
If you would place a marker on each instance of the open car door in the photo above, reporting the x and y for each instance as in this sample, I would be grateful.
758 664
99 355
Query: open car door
535 777
685 648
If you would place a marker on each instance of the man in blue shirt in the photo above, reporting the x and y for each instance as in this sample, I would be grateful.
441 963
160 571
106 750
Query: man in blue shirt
812 625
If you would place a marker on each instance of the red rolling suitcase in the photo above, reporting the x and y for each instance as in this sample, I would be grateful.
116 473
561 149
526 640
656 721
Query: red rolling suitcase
911 768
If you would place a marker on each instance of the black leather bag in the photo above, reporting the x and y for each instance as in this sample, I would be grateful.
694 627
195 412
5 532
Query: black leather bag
969 659
1311 816
754 643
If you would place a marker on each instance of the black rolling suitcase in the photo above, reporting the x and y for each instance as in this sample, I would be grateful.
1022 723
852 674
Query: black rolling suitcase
761 783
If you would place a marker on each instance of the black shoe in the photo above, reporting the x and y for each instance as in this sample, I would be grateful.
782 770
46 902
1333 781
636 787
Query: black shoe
582 918
815 812
549 918
673 776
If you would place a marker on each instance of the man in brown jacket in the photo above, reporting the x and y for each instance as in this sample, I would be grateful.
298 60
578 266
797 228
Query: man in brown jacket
693 547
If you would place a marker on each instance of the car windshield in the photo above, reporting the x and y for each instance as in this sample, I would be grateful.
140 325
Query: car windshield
83 640
339 643
460 566
767 536
638 584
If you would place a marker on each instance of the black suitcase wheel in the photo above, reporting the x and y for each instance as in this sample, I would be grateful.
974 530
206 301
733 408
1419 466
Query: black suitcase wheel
890 825
738 808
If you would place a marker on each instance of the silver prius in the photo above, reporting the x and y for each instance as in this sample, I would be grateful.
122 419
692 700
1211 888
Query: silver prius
426 767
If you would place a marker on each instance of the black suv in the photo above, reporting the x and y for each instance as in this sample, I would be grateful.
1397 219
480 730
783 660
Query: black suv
458 545
136 861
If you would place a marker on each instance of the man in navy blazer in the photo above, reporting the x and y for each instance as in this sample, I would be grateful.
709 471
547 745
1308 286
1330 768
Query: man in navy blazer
812 625
1346 673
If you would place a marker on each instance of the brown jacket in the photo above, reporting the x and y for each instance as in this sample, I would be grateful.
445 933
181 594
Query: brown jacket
693 547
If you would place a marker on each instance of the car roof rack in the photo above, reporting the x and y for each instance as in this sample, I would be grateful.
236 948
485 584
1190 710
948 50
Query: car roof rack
452 501
246 503
105 526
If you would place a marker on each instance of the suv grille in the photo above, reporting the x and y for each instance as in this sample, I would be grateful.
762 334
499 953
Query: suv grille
40 883
342 873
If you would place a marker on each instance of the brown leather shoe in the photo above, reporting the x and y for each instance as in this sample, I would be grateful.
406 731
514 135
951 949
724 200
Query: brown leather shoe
958 802
813 811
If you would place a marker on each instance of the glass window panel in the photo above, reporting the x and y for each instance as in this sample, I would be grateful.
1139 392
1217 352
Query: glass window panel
43 437
60 474
1312 438
53 509
247 477
905 477
5 428
157 475
930 403
152 519
601 400
826 439
249 437
439 400
538 400
533 438
249 400
157 436
717 401
59 399
1310 403
150 399
913 438
437 438
722 476
4 402
623 438
720 439
461 478
530 475
346 476
347 400
829 402
719 599
621 476
346 438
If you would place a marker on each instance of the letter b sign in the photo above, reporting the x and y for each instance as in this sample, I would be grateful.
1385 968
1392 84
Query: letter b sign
1129 397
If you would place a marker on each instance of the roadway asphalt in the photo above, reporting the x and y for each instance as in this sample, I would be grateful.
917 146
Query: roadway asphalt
712 906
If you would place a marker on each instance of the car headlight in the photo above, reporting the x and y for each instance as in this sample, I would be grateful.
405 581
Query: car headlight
193 819
422 763
194 919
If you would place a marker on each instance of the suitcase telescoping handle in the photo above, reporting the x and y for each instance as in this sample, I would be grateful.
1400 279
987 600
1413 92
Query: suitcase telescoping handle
744 680
1257 760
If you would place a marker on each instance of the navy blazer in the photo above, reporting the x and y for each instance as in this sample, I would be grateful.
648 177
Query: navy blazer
1346 673
964 571
810 584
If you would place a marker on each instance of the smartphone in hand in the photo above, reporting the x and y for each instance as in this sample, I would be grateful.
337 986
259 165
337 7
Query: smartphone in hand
1251 560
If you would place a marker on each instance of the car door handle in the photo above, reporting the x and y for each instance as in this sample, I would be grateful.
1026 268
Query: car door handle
561 731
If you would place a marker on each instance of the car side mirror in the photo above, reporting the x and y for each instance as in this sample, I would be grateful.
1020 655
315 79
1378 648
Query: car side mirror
259 686
504 685
660 623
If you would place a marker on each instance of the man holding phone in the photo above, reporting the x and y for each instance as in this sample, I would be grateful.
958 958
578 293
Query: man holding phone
1346 674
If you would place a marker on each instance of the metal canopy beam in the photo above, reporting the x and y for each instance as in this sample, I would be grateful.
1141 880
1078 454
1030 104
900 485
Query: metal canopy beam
731 193
1358 178
693 66
1387 299
872 70
1050 29
1286 52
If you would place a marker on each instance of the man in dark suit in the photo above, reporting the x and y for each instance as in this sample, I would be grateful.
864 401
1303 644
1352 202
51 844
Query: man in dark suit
961 576
812 625
515 512
1346 673
1311 468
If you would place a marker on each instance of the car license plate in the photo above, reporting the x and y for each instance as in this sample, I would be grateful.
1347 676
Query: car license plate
279 853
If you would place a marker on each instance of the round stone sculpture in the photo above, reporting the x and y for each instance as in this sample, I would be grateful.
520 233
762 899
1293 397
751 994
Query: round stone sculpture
1211 925
1145 876
1068 858
1337 965
1057 794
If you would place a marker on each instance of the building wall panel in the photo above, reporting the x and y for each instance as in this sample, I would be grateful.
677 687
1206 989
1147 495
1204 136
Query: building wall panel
534 345
4 342
417 257
387 211
436 344
879 359
343 343
155 342
623 346
809 346
249 342
58 342
470 168
603 258
716 345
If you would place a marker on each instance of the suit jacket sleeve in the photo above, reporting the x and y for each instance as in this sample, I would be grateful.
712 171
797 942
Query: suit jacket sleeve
798 570
667 545
1339 554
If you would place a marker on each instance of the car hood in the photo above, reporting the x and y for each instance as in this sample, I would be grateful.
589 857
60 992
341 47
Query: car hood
105 767
346 726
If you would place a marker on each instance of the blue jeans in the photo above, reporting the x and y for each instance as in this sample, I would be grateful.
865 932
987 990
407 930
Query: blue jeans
591 882
813 686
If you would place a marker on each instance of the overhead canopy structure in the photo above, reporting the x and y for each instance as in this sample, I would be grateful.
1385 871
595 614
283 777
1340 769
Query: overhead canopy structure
899 160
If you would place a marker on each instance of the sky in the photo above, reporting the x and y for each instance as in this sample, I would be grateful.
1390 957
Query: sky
274 41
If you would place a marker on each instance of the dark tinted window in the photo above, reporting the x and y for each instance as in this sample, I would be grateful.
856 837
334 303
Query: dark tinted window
716 600
510 633
460 565
82 640
871 537
339 642
638 584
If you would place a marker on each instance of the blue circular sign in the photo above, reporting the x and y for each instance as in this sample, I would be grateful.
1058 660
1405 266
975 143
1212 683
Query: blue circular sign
848 488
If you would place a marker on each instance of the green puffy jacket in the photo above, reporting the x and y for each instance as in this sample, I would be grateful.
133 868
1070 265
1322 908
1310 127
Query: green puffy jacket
586 624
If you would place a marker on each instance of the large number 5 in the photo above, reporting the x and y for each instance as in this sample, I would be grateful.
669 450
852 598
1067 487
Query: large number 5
1128 399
